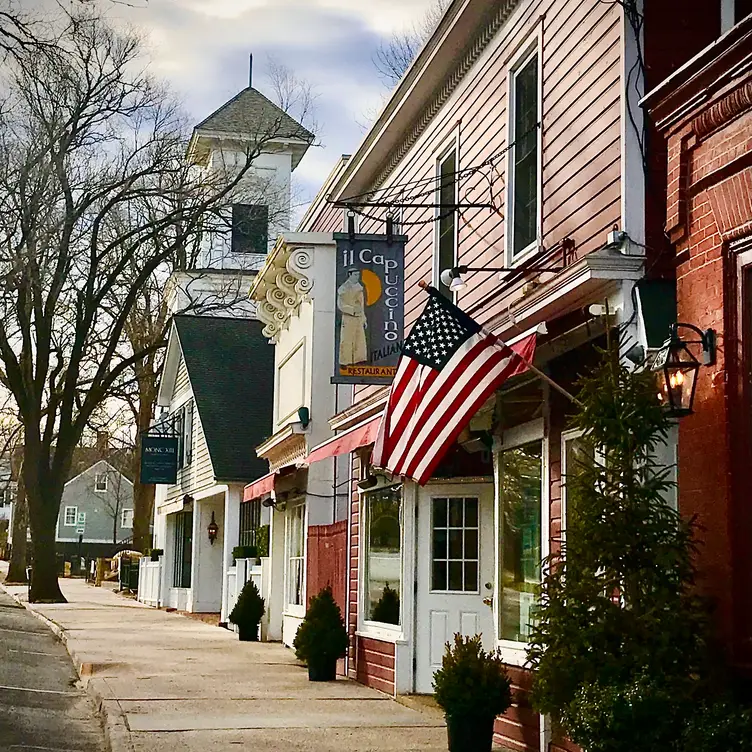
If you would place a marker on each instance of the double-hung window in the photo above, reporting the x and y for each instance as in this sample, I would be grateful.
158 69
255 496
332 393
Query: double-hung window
446 214
296 532
126 518
523 210
70 516
183 427
100 482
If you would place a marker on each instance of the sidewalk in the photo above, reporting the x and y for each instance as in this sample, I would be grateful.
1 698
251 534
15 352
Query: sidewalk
166 682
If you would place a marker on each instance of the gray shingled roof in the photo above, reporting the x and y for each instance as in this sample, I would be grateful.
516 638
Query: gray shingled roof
231 368
251 112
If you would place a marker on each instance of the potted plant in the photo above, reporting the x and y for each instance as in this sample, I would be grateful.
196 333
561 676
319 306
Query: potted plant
155 553
472 688
322 637
244 552
248 612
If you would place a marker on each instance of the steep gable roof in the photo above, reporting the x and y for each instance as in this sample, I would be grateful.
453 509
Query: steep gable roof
231 369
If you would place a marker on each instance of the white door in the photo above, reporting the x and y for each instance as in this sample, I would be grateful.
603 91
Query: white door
455 572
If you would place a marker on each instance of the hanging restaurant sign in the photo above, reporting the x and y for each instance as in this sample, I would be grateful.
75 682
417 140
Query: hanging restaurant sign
369 310
159 459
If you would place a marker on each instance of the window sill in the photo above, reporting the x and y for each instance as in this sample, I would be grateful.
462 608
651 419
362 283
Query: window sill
382 632
513 653
295 612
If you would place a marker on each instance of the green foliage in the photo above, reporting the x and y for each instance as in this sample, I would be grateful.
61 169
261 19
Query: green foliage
250 606
245 552
387 610
322 636
155 553
722 726
262 540
471 682
617 603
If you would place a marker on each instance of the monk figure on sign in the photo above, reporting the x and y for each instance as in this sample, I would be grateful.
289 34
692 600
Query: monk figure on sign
353 347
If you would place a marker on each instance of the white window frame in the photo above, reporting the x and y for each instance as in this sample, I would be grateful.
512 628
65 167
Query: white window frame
515 653
449 147
519 61
75 516
97 478
295 609
123 515
566 436
377 629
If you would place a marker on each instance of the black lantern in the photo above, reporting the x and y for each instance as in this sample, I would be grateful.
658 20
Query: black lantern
677 368
213 530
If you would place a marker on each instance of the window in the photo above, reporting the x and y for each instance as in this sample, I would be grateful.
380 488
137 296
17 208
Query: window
296 555
126 518
734 11
181 572
454 545
100 482
250 521
184 429
71 513
250 228
446 249
574 452
520 485
383 560
524 183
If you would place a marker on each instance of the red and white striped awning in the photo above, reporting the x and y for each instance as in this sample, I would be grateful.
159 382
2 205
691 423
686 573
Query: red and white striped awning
346 442
260 487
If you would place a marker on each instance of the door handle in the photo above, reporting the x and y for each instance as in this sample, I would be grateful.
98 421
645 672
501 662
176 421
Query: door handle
488 600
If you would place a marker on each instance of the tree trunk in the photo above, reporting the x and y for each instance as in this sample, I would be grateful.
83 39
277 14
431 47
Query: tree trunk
44 492
143 495
17 570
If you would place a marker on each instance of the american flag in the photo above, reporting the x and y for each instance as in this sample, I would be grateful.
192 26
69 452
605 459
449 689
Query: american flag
449 367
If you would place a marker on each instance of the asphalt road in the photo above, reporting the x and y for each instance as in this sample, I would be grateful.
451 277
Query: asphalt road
41 707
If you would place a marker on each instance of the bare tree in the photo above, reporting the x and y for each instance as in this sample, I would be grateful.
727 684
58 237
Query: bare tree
394 56
96 200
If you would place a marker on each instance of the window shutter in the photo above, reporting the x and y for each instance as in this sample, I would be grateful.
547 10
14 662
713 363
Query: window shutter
188 432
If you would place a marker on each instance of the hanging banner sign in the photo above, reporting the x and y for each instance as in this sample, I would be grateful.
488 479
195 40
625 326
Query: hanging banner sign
159 459
369 308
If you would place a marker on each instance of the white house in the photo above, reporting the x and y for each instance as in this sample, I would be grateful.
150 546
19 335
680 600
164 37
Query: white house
295 294
216 395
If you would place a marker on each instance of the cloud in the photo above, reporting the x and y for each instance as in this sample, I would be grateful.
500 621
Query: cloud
201 48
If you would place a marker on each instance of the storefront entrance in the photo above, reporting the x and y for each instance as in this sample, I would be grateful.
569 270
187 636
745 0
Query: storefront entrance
455 580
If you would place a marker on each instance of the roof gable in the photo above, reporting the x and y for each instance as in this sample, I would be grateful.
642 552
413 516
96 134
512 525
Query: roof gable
100 465
231 370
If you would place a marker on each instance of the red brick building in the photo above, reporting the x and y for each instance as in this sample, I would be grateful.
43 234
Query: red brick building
704 111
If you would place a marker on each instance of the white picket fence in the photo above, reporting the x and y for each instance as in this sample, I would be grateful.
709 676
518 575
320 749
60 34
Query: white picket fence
150 581
237 576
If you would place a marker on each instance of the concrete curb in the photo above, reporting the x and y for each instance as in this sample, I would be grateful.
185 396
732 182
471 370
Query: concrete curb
117 734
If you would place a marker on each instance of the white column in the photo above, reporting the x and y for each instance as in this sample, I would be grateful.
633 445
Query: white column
233 497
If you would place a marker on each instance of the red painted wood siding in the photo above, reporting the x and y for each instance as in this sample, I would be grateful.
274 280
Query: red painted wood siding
327 561
581 146
375 664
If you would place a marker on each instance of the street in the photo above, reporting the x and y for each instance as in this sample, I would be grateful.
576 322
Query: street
41 705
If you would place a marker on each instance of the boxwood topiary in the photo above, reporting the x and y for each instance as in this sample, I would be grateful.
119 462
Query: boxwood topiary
322 637
248 611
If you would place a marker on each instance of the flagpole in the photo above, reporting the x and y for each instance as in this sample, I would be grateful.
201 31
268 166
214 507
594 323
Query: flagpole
425 286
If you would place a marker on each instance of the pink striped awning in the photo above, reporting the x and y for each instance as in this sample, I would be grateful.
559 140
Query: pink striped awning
260 487
346 442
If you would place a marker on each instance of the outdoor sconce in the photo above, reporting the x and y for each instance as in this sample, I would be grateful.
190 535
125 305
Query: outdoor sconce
212 530
676 368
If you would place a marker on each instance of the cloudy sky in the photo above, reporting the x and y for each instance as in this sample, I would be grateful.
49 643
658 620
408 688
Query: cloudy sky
202 48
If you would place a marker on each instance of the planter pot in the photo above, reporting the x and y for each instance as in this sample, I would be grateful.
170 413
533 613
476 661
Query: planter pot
248 633
323 671
154 558
470 733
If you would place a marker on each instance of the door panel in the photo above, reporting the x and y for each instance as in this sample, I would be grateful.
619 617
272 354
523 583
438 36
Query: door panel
455 549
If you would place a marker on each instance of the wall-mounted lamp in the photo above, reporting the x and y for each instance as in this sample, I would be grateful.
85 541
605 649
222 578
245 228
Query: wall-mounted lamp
270 503
676 368
452 278
212 530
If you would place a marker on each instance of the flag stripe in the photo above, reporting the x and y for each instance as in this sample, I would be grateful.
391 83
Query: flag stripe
455 368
